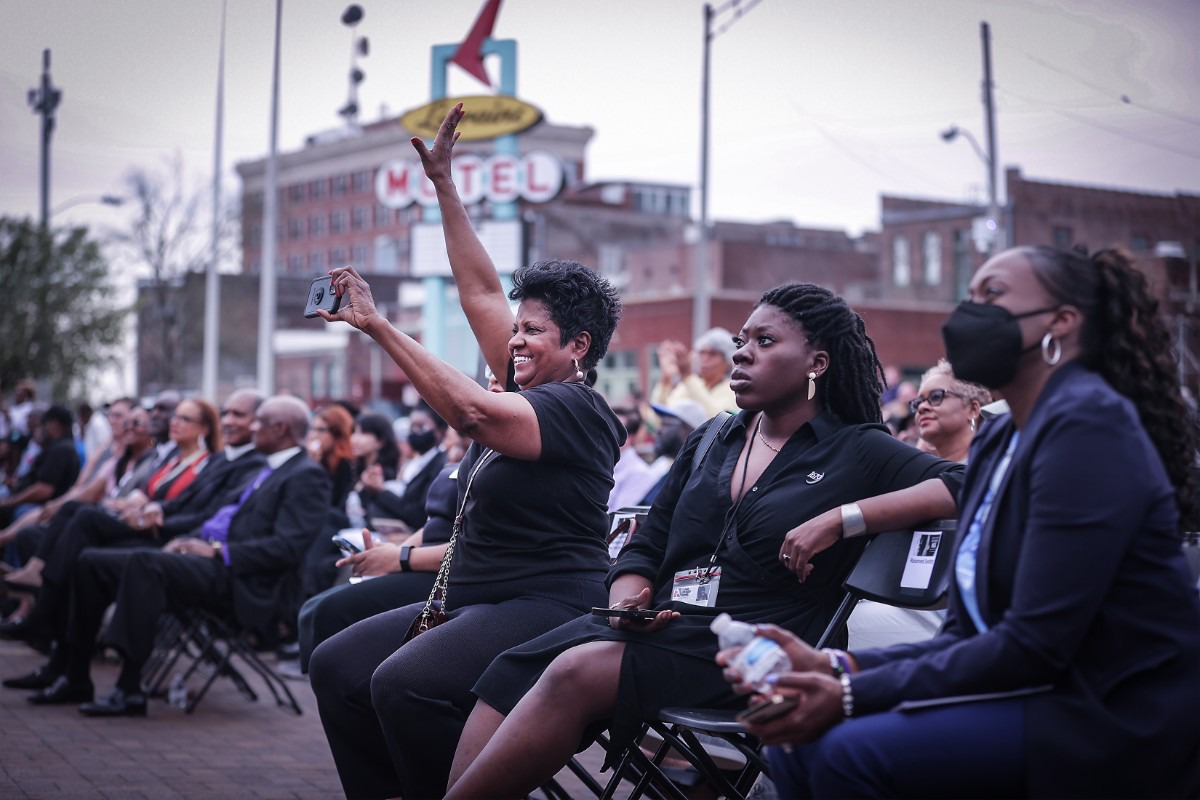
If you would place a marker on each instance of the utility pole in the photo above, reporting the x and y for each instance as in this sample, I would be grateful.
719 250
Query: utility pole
700 290
999 228
44 100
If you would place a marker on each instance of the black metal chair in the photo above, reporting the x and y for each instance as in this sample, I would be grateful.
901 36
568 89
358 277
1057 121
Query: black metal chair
210 643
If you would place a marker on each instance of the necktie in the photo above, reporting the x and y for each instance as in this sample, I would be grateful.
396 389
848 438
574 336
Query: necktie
216 529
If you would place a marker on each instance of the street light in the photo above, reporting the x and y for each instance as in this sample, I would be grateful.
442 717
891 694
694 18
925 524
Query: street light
953 132
103 199
359 46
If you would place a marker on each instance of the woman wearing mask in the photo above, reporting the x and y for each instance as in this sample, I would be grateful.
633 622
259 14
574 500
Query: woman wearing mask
1068 664
404 498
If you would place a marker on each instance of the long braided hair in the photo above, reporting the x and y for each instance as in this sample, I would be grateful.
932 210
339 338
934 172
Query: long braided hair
852 385
1124 338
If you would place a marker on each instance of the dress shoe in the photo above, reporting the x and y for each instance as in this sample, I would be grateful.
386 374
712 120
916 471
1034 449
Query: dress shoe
62 692
18 631
117 704
40 678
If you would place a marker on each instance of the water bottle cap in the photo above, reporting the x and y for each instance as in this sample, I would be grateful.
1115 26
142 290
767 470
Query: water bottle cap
720 623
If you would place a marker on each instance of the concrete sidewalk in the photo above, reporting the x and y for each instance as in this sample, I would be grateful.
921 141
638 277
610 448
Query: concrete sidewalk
230 747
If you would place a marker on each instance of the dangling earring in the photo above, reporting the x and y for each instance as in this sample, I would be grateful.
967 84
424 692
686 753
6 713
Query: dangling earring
578 370
1048 340
812 385
972 423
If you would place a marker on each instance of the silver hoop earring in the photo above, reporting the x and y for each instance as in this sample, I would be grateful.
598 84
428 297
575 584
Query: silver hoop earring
812 385
1048 340
578 370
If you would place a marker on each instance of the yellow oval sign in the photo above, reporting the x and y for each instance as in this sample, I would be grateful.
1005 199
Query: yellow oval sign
488 116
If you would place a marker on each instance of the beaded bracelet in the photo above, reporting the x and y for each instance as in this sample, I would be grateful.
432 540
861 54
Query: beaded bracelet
847 697
839 662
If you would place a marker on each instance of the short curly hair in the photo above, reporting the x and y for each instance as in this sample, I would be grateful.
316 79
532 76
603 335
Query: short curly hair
972 391
579 300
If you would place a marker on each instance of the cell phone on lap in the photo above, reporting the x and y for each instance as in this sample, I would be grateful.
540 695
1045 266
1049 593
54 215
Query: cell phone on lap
775 706
635 614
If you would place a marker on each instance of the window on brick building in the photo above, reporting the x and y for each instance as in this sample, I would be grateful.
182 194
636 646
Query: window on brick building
295 264
337 221
316 261
932 256
337 257
316 225
361 180
316 189
360 218
1062 237
901 263
1139 243
296 193
358 256
296 228
383 216
339 185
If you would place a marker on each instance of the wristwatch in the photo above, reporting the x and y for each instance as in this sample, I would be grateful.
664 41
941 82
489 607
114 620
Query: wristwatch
405 552
218 548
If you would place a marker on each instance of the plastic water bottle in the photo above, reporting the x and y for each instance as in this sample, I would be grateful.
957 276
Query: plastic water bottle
355 511
760 657
177 693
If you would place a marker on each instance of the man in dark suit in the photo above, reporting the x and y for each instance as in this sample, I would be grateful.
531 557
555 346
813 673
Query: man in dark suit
236 562
224 477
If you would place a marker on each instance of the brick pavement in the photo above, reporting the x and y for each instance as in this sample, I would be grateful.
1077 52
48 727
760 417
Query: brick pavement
229 748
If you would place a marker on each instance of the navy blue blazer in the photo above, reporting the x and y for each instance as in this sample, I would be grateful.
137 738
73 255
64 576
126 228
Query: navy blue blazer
1083 584
270 533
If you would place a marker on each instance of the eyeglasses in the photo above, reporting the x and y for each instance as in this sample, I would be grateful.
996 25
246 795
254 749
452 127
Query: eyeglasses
185 418
934 399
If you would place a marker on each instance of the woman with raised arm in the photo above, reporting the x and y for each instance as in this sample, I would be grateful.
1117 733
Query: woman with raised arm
761 525
530 554
1069 661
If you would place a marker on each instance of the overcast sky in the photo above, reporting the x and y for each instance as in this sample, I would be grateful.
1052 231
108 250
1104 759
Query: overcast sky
817 107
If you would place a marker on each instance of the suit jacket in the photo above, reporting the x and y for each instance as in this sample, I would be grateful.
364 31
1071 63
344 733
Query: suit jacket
1083 585
220 483
270 533
410 508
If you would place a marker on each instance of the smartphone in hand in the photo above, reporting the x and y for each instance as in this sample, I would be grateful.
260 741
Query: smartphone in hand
321 295
775 706
634 614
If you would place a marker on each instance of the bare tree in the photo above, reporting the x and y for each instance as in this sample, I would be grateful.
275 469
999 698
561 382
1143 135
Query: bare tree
168 236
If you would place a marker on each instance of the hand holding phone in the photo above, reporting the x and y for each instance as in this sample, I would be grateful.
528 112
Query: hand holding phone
632 614
773 707
321 295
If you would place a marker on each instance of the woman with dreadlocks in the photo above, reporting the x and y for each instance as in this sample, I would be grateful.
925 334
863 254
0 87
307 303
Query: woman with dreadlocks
761 517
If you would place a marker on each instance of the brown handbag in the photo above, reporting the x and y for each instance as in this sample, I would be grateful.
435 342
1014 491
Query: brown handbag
434 612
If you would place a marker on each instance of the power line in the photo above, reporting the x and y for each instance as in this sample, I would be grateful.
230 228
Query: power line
1082 120
1108 93
739 11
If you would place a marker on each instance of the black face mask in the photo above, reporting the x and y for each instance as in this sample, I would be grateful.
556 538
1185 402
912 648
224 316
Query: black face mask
421 441
983 342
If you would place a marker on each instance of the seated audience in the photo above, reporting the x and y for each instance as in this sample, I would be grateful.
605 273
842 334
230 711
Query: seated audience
676 423
631 476
52 472
1068 666
329 445
237 562
403 499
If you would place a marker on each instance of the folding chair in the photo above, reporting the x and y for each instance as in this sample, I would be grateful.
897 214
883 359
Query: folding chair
906 569
209 641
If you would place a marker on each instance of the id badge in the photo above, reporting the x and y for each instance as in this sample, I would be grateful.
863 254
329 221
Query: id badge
697 587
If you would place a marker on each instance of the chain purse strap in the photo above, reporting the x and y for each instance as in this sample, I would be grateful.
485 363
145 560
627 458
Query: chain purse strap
441 582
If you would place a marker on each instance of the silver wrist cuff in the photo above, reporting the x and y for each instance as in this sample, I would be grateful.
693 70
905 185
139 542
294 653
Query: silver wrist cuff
853 523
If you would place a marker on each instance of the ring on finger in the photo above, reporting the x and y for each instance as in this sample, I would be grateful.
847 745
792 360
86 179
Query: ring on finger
786 558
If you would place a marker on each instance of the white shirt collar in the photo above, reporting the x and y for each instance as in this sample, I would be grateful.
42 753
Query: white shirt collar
277 460
233 453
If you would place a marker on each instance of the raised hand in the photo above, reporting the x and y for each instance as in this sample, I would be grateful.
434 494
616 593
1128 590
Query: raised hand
437 161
